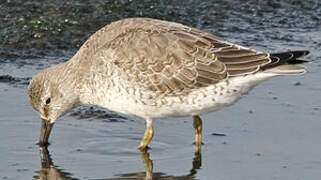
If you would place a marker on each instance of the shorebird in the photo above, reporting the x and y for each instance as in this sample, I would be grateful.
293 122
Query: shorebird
155 69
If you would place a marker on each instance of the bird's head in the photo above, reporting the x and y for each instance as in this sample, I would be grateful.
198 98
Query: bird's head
51 96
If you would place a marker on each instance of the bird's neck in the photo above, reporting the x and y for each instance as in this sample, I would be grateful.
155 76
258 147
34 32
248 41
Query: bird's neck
93 80
79 78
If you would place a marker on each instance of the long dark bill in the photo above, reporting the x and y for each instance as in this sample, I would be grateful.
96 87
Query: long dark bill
45 132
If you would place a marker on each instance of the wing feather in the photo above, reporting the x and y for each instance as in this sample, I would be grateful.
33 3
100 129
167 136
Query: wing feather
168 57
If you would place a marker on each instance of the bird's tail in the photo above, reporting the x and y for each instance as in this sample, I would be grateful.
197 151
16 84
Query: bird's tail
286 63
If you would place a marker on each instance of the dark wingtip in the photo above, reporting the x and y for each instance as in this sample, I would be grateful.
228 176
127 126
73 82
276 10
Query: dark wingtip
289 57
299 61
300 53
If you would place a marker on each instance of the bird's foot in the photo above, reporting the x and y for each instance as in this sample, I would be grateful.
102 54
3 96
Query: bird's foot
144 148
42 144
194 143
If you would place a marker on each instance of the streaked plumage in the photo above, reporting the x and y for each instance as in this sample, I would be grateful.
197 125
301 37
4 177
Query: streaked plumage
157 69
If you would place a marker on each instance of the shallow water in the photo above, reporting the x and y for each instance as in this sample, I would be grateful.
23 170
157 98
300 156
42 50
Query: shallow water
273 133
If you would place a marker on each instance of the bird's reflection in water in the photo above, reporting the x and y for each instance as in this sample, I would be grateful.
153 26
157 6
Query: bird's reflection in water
49 171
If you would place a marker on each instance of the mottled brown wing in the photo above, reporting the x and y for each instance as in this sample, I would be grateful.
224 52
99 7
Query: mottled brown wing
170 57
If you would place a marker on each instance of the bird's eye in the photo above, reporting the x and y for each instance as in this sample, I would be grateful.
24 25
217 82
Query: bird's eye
48 101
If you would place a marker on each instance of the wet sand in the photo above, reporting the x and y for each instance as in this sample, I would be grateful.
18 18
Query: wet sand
273 133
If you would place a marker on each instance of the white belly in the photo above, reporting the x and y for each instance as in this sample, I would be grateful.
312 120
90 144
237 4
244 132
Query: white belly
134 102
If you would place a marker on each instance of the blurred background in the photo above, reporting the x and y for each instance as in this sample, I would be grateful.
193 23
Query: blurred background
271 134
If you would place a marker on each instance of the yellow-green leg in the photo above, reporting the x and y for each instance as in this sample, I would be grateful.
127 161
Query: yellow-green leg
197 162
149 133
197 123
148 164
